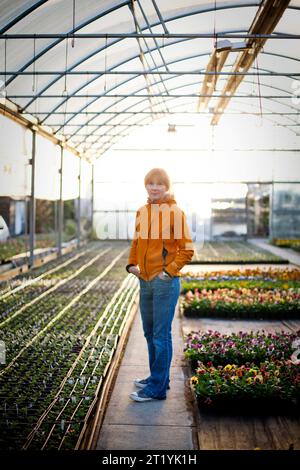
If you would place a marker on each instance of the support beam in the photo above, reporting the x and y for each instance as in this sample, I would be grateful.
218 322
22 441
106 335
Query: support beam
107 122
157 95
207 149
269 14
150 35
271 211
23 15
216 63
60 203
147 72
155 41
32 210
92 198
142 56
79 206
160 17
165 113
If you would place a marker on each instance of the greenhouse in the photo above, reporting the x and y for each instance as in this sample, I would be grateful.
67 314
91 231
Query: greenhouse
149 225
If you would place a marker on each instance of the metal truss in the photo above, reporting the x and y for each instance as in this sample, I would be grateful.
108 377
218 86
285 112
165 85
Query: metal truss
140 34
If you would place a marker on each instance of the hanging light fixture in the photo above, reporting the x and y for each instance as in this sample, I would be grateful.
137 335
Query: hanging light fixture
172 128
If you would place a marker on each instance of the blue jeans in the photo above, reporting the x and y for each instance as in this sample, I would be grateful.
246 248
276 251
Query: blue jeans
158 299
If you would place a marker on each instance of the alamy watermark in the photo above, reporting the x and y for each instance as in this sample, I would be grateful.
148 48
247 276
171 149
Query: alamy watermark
163 221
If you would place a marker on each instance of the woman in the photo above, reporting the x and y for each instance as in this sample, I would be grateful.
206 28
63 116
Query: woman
161 246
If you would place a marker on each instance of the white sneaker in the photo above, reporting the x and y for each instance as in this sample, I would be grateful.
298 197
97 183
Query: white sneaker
141 396
141 383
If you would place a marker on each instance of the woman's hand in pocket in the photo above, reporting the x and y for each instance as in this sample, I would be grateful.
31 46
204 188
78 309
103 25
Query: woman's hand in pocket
162 276
134 270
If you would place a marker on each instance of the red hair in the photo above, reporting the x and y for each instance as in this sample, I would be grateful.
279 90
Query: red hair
160 176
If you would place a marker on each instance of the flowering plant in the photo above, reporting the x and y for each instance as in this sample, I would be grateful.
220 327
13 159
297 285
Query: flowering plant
260 279
283 274
286 242
242 293
242 302
276 380
238 348
231 283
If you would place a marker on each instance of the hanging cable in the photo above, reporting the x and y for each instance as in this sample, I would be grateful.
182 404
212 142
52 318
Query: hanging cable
105 64
259 91
74 23
66 67
33 66
37 101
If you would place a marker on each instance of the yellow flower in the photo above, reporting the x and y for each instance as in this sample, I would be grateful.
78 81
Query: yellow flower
234 377
259 378
228 367
249 380
253 371
194 380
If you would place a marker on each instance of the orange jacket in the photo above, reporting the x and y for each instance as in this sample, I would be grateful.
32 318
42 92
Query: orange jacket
161 241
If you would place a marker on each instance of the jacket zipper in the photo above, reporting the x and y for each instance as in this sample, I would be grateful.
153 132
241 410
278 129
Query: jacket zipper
147 248
164 255
145 261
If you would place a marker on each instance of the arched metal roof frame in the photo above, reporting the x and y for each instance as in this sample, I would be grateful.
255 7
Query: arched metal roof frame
117 138
22 15
126 81
182 112
112 138
102 14
82 60
203 10
158 117
167 79
145 99
55 43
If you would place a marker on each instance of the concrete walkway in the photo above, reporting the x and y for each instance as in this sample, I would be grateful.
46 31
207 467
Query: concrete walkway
287 253
158 425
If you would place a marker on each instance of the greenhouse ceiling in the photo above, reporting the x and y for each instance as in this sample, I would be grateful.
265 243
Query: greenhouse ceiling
90 72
